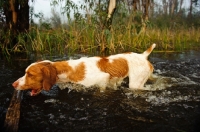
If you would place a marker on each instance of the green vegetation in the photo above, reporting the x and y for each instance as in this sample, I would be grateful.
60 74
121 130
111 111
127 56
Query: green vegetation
87 34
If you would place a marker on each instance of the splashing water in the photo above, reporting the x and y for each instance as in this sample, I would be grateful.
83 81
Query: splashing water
169 102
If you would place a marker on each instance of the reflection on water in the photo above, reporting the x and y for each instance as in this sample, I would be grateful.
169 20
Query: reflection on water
169 103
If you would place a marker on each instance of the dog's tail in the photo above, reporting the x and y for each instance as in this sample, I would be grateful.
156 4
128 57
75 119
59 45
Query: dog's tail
149 50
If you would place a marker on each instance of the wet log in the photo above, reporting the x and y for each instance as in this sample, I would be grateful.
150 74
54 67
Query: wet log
13 113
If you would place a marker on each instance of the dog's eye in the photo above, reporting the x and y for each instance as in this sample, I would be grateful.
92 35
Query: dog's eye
29 74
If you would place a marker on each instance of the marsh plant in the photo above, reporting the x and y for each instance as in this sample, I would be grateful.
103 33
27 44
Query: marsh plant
85 31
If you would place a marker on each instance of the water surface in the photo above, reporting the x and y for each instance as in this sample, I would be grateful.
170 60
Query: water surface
170 103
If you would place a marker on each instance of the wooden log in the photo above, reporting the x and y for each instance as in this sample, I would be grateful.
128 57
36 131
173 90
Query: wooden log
13 113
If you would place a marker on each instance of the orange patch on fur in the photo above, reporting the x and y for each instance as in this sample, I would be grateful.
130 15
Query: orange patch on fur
116 68
62 66
149 50
74 74
78 73
151 66
41 75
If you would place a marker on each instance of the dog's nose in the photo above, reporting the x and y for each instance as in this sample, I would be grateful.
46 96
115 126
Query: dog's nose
15 84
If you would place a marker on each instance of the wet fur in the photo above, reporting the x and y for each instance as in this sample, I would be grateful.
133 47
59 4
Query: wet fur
88 71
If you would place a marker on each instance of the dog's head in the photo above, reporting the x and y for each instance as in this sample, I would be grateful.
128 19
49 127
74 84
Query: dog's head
38 76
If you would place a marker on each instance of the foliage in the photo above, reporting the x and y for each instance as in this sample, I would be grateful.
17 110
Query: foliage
85 31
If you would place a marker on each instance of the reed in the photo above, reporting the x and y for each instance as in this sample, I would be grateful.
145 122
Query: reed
90 40
87 37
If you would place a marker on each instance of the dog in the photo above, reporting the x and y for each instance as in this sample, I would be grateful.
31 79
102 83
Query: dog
88 71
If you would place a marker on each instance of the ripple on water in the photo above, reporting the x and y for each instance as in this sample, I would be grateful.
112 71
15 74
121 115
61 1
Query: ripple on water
170 102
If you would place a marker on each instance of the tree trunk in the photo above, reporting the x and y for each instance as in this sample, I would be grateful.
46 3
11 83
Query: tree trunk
151 8
11 122
111 9
23 19
135 5
145 18
146 4
190 12
172 7
13 8
17 18
165 7
180 7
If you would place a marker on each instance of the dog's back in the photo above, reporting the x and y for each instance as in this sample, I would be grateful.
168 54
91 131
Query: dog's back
99 71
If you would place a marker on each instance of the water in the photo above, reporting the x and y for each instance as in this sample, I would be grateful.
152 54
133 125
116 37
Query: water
171 102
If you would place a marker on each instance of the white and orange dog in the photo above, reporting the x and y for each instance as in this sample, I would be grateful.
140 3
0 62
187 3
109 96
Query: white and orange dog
88 71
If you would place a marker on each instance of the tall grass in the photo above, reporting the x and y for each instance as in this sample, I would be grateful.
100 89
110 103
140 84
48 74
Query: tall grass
90 39
88 35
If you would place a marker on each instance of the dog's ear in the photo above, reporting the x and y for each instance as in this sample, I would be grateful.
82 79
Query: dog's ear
49 76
